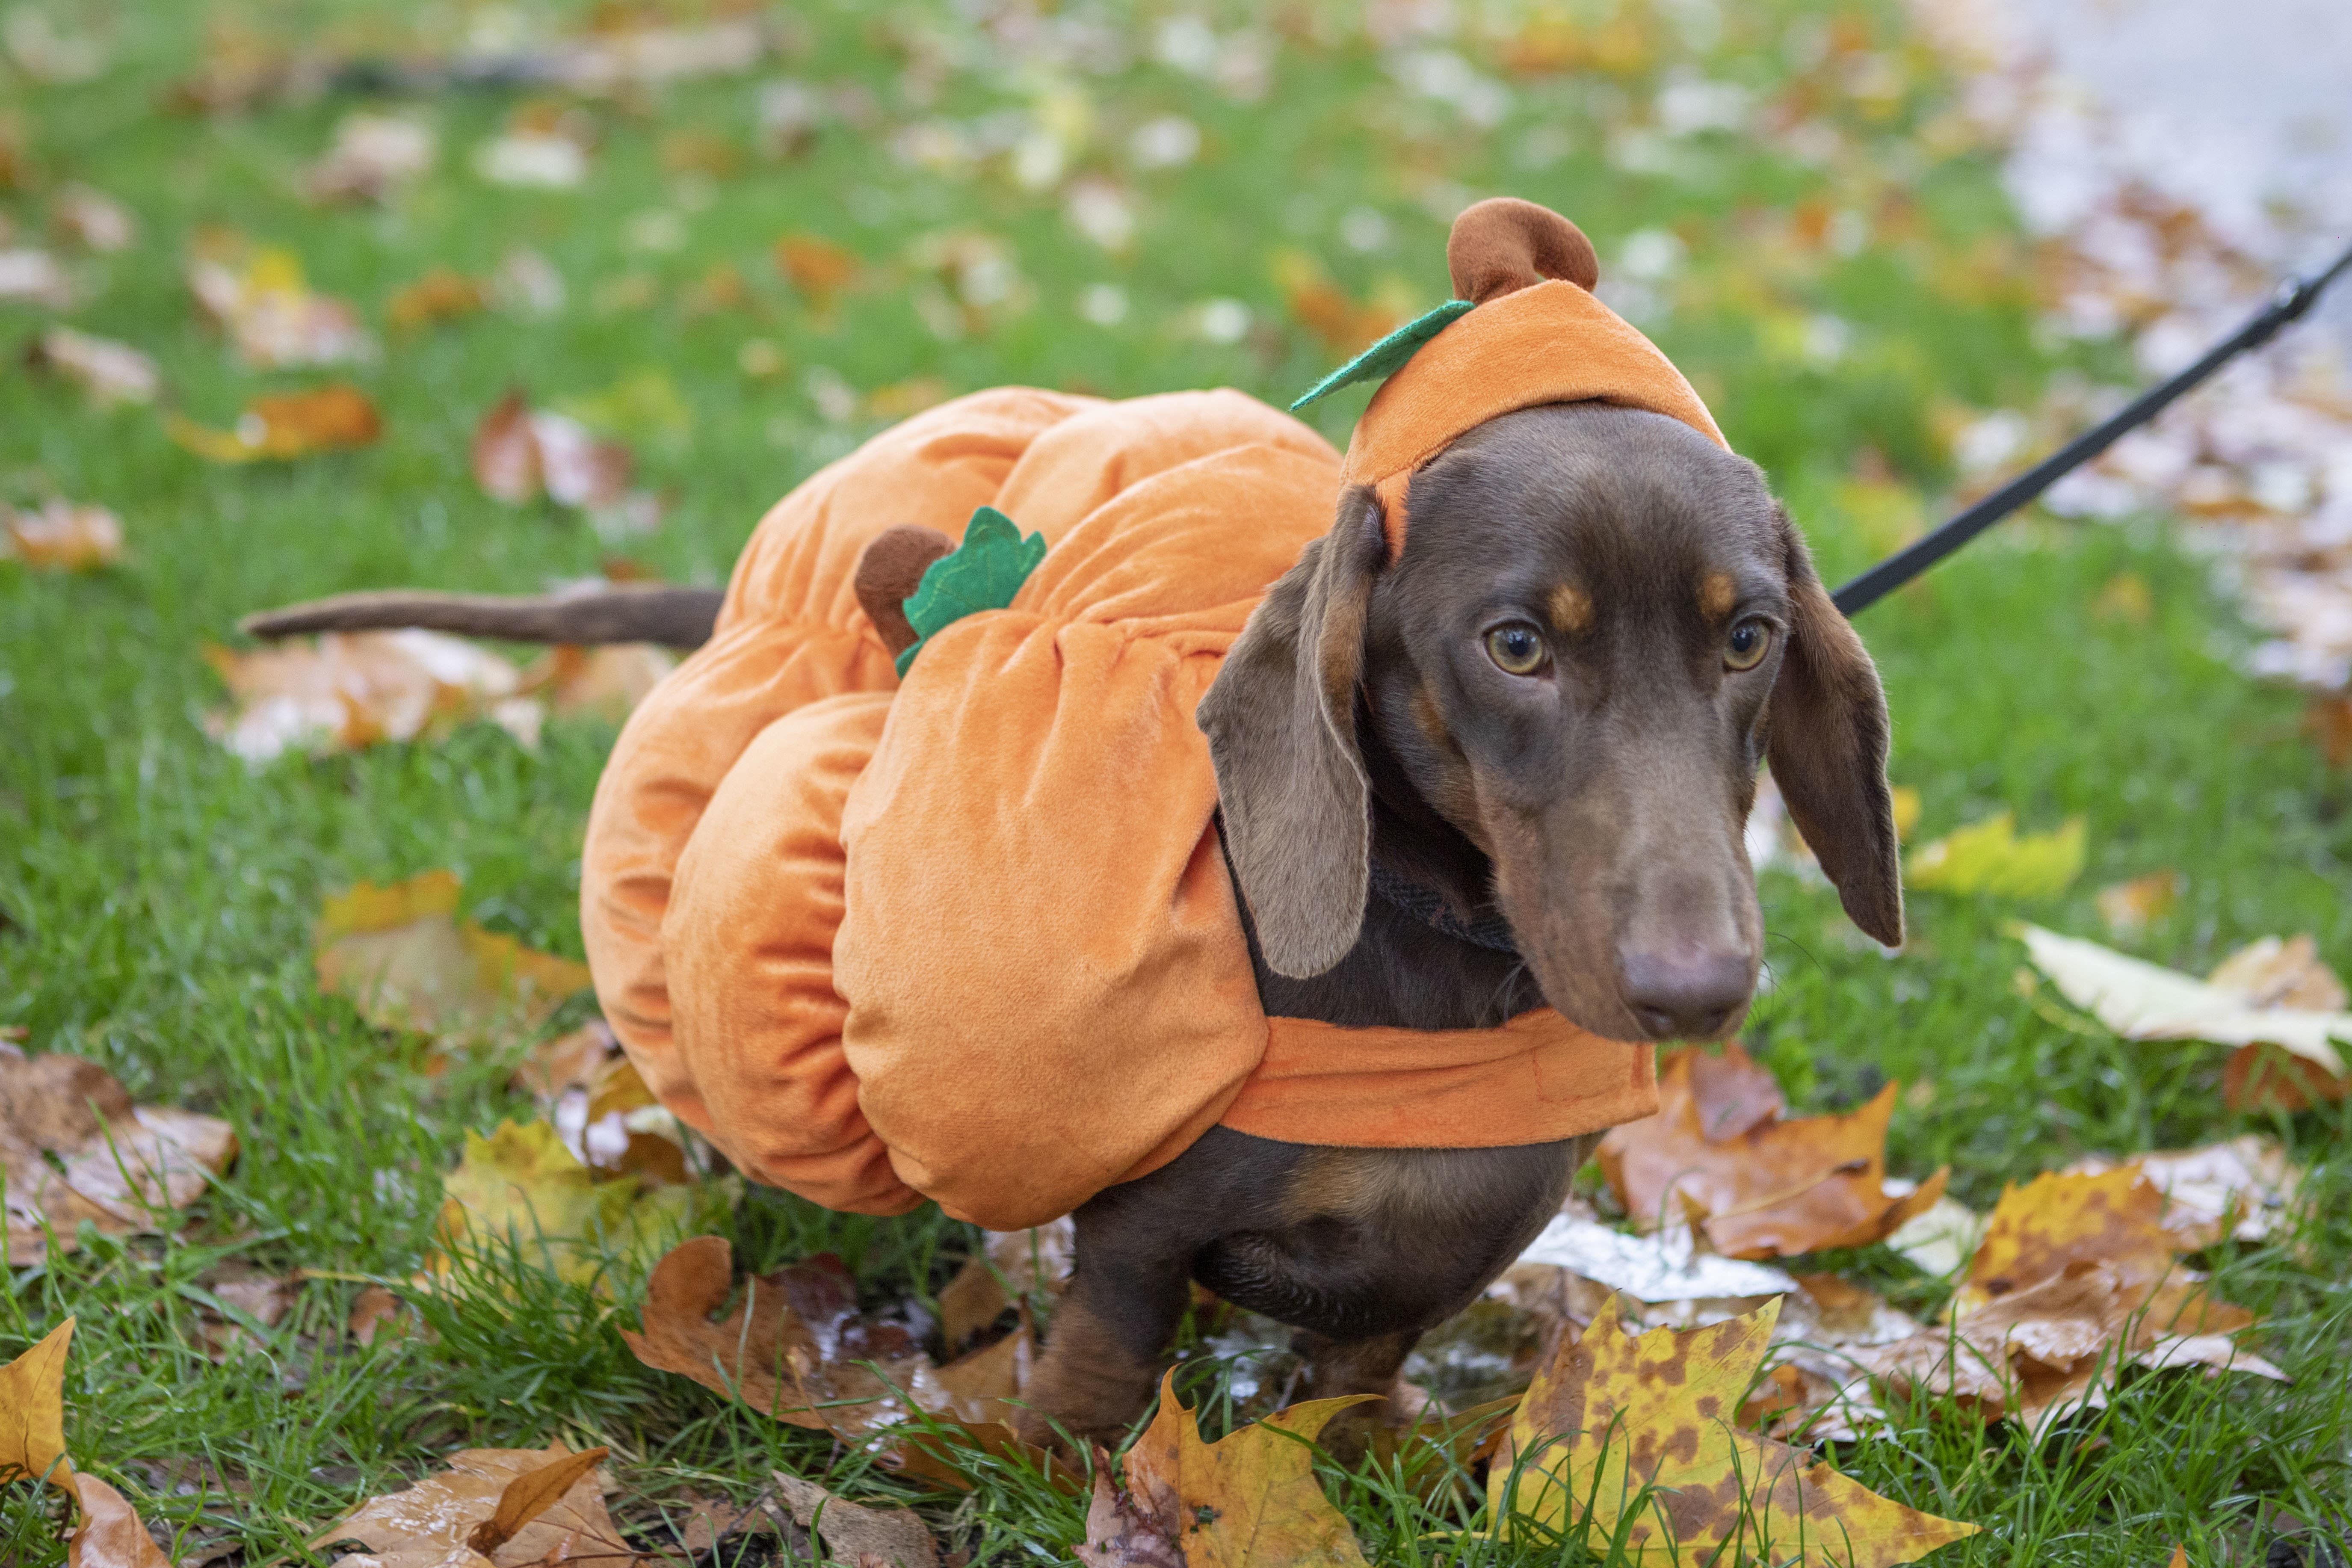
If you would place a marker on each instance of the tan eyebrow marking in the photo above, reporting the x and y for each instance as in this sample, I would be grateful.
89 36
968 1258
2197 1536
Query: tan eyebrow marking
1571 607
1717 595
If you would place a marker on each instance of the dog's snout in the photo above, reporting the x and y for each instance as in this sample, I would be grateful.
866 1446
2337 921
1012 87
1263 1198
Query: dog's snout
1689 995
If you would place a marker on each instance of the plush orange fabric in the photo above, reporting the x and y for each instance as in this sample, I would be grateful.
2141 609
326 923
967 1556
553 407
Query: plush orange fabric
972 938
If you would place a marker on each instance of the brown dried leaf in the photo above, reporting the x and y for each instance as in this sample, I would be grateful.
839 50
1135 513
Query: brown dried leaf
789 1348
818 267
608 680
979 1293
109 1534
443 294
64 536
372 156
527 1496
520 451
374 1310
1120 1532
94 220
852 1533
428 1525
116 1164
2240 1188
2267 1077
1770 1188
258 296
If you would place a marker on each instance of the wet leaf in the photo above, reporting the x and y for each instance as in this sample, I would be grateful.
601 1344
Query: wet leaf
31 1407
108 371
1616 1417
2270 1003
351 689
280 427
1011 1265
109 1534
1249 1497
73 1149
869 1537
790 1347
405 960
63 536
1989 857
1763 1187
429 1525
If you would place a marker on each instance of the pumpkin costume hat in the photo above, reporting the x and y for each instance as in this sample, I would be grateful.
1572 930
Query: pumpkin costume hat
969 934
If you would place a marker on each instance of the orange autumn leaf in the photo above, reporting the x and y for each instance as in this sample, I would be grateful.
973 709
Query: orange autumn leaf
62 536
32 1412
111 1533
1634 1437
349 689
817 267
2116 1217
1326 310
1249 1497
1760 1186
443 294
279 427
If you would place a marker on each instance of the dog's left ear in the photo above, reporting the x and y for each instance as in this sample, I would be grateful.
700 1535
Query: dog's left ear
1281 723
1827 736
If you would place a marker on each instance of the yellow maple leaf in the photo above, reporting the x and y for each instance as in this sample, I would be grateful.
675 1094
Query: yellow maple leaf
1637 1433
1989 857
403 959
1250 1496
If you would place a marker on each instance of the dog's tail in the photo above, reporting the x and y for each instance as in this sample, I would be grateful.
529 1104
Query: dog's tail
675 618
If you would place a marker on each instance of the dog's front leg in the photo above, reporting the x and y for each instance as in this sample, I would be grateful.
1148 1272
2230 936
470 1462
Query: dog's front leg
1105 1347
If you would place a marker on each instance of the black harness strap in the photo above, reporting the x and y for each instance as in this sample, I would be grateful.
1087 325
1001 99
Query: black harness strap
1422 905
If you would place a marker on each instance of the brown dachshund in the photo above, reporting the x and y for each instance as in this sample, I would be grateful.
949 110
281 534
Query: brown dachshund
1511 767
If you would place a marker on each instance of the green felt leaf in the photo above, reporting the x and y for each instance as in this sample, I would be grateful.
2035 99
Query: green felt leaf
983 573
1385 358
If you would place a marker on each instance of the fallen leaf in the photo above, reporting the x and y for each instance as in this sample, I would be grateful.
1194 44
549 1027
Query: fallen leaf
527 1496
352 689
280 427
2142 1001
2266 1078
790 1347
2271 971
608 680
1940 1238
30 276
2243 1188
64 536
405 960
1249 1497
521 452
109 1534
1988 857
1906 812
711 1521
265 1299
109 372
869 1537
372 156
1765 1187
2129 907
443 294
1659 1268
1120 1532
373 1310
541 160
818 267
1343 326
429 1525
116 1166
32 1408
1616 1415
258 296
521 1187
1011 1265
2077 1275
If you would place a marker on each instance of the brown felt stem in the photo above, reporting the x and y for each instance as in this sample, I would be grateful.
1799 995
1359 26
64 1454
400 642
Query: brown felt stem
890 568
1503 244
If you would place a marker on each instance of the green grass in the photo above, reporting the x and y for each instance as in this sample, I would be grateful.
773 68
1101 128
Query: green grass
159 893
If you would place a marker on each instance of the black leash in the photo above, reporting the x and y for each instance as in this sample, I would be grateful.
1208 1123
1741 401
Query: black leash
2293 298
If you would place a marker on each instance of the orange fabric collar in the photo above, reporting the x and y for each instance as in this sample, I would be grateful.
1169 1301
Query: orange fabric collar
1552 342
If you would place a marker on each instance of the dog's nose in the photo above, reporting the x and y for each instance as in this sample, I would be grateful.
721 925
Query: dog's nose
1685 996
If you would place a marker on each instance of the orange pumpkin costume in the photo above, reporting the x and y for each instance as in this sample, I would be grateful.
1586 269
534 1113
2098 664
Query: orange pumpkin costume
971 937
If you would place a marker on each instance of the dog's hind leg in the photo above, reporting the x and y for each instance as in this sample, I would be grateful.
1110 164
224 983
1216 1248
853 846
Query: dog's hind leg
1104 1348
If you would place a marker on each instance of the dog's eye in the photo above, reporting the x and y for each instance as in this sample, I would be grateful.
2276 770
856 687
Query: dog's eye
1745 646
1516 649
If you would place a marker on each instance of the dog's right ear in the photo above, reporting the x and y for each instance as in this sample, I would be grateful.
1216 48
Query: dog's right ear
1281 723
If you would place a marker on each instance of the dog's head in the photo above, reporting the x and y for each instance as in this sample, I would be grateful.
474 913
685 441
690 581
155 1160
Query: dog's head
1599 626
